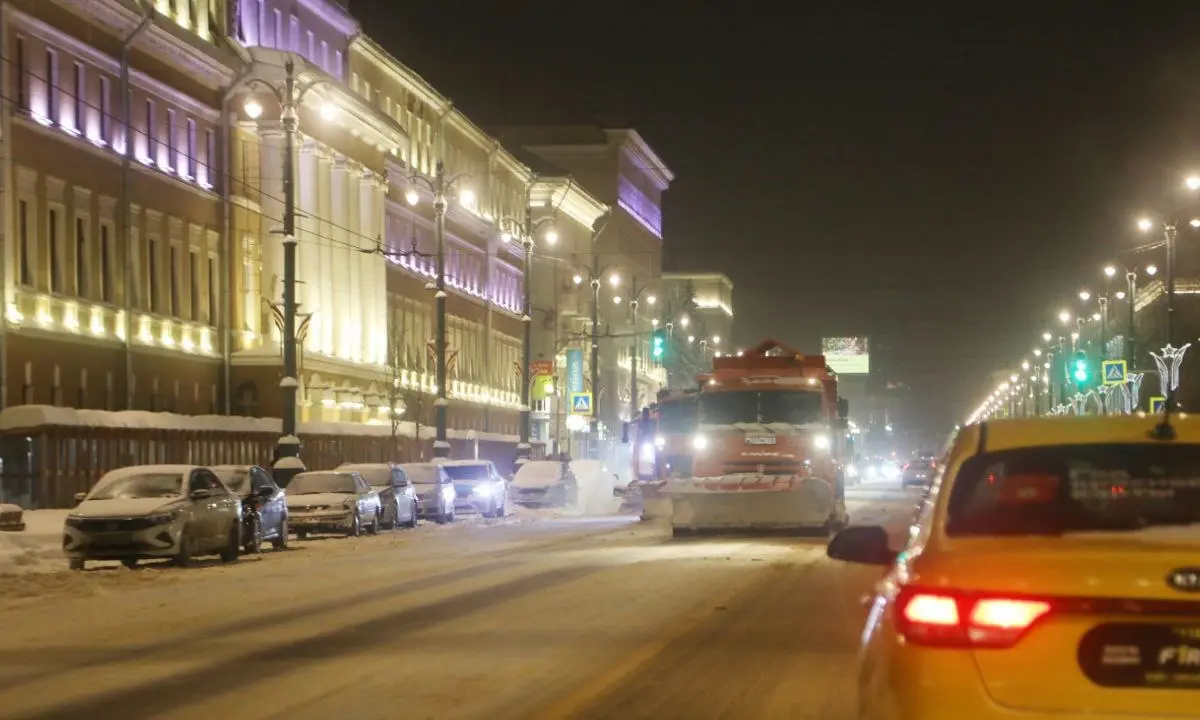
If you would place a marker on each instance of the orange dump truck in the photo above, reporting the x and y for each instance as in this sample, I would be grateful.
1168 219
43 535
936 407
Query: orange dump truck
768 448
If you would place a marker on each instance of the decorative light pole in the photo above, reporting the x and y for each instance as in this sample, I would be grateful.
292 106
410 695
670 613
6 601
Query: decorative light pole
635 291
439 186
289 97
527 228
594 275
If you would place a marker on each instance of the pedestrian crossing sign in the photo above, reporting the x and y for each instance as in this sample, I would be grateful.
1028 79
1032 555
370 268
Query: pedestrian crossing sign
1157 404
581 403
1114 371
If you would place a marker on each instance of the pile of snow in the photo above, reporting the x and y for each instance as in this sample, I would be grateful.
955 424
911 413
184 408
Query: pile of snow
596 484
37 548
26 417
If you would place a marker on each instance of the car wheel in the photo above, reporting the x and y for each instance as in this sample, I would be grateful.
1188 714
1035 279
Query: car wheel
233 544
253 544
392 515
412 520
376 523
280 542
355 527
76 563
183 556
130 563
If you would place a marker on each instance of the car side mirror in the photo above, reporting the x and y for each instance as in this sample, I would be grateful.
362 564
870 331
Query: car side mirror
201 494
865 544
80 497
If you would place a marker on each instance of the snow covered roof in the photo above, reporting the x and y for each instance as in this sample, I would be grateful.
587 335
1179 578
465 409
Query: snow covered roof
134 470
460 463
25 417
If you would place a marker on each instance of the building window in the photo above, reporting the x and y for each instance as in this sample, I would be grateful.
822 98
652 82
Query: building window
22 76
52 86
191 148
210 155
105 111
173 279
294 34
278 37
80 96
26 276
172 159
81 258
55 259
312 47
212 291
337 64
105 265
325 55
194 286
152 267
151 133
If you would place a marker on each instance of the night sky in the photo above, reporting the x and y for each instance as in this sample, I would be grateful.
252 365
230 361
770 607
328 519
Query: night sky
937 175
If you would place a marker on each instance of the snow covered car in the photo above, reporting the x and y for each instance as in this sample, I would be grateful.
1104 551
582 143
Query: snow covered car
154 511
396 494
478 487
264 505
12 518
435 491
544 483
332 501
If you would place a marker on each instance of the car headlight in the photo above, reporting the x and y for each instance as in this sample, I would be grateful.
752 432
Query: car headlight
74 521
821 442
851 471
349 504
482 490
700 442
647 453
660 441
162 518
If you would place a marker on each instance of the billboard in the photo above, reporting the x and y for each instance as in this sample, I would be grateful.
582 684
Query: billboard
847 355
574 370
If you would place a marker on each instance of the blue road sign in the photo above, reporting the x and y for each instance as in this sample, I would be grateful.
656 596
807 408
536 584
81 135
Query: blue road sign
1114 372
1157 404
581 403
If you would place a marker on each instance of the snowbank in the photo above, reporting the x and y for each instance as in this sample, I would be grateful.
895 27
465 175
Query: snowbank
38 548
22 417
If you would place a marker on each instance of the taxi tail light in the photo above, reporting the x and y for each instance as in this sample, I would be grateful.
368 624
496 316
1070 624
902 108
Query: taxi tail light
943 618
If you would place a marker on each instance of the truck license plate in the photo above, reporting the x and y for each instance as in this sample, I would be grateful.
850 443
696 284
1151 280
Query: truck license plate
760 439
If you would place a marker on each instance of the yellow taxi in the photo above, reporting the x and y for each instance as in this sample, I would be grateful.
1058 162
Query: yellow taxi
1053 572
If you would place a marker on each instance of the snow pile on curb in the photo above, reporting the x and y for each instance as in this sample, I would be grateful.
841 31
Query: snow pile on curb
37 548
596 486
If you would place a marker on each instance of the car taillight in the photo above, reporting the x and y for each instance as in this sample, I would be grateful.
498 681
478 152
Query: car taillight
946 619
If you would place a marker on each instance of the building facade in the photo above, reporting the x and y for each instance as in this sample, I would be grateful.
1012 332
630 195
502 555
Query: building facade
143 258
697 314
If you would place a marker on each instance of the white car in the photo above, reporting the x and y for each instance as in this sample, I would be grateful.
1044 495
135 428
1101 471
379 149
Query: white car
478 486
154 511
333 501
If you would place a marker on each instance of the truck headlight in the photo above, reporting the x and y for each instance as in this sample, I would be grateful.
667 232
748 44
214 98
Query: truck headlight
699 442
660 441
821 442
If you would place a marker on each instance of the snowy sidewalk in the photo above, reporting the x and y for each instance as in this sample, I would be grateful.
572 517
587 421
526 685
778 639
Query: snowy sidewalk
37 548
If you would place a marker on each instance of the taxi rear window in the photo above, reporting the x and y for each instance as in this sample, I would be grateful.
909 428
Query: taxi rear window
1076 488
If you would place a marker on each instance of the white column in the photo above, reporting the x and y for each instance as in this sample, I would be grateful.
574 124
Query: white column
339 267
271 155
353 258
307 232
380 267
370 290
325 320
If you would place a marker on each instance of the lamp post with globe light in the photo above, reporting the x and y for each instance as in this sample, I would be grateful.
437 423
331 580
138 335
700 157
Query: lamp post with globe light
1169 233
439 187
594 273
289 96
527 228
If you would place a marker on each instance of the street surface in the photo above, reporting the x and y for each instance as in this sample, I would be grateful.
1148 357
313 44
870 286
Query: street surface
537 616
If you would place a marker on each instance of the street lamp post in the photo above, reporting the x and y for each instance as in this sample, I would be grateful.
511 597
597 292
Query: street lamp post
289 98
439 186
635 298
1131 298
528 229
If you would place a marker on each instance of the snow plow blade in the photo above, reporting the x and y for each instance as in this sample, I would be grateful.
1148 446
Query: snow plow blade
754 504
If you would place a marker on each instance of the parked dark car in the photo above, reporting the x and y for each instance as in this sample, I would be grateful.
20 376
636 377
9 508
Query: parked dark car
917 472
264 506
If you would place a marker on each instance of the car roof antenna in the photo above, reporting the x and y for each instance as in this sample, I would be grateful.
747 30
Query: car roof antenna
1164 430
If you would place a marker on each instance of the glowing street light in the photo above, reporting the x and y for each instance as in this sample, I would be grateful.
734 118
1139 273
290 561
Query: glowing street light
1109 271
1084 295
1064 317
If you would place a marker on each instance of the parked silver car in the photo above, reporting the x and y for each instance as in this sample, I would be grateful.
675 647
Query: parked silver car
154 511
332 501
396 493
435 491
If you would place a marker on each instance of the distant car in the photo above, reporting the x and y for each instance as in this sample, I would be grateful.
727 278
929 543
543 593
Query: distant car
154 511
435 491
396 494
478 486
12 517
264 506
544 483
917 472
333 501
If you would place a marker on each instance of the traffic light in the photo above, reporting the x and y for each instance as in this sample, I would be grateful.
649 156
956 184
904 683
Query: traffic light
658 344
1080 372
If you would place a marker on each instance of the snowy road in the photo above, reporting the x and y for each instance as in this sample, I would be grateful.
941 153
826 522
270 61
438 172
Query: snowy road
536 617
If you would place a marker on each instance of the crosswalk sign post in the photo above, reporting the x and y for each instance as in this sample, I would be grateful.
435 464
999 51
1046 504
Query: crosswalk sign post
1113 372
581 403
1157 404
